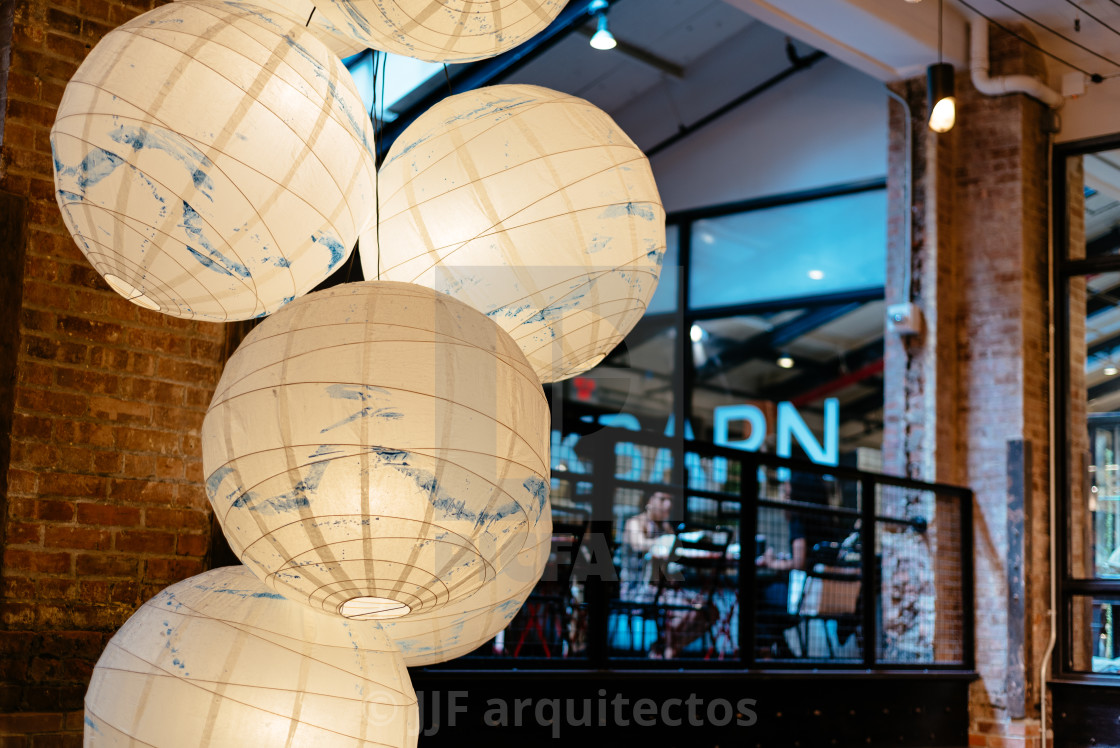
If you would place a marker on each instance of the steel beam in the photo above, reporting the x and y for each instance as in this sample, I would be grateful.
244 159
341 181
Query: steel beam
770 344
824 373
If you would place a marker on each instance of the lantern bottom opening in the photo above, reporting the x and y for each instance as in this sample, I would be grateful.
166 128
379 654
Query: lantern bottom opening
130 292
373 608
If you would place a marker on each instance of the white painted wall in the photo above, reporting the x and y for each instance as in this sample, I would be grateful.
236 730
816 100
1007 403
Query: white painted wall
1094 115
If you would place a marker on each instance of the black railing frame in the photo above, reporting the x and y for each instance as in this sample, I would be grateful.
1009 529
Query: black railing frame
606 482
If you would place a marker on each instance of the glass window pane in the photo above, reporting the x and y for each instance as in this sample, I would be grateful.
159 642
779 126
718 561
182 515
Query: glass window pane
1094 189
760 376
808 574
392 84
1094 428
791 251
1096 634
665 297
632 388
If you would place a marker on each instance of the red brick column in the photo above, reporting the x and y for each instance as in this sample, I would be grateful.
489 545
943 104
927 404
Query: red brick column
104 504
978 377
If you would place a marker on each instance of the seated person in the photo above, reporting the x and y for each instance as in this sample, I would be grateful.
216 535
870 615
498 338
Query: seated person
639 535
798 557
640 583
804 532
802 487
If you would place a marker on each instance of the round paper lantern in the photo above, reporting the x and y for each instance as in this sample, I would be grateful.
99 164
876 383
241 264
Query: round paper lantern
213 161
341 44
461 627
531 206
445 31
378 450
220 660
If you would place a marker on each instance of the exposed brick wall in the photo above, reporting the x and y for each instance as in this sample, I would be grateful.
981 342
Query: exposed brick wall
920 376
978 377
13 227
921 380
46 730
104 504
1081 541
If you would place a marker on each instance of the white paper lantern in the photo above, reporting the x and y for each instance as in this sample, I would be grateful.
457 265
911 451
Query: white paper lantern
531 206
378 450
220 660
212 160
444 31
341 44
461 627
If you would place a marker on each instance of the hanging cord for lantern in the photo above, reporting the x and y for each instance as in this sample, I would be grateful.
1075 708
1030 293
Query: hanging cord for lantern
310 16
1058 34
377 154
377 175
447 77
1077 23
349 276
940 24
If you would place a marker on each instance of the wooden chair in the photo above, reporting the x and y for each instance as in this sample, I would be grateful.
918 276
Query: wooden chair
830 594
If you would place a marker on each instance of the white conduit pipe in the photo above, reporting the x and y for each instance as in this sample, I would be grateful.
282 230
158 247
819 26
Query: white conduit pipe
1004 84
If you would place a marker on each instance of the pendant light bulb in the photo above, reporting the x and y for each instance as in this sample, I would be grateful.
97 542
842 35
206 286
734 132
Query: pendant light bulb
603 38
942 102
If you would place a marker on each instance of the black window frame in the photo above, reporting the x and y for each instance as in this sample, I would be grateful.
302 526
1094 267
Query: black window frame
1064 270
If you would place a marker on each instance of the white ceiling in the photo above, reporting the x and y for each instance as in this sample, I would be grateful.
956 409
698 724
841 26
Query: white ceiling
1061 15
679 31
887 39
893 39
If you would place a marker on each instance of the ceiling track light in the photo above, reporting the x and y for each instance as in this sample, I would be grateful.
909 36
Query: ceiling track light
602 38
941 86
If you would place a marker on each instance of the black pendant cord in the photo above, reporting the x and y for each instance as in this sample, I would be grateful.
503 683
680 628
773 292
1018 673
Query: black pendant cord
349 277
447 77
1077 23
1094 77
940 17
376 152
377 174
1058 34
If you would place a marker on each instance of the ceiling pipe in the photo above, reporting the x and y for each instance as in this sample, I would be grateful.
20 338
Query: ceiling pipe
845 380
642 56
1003 84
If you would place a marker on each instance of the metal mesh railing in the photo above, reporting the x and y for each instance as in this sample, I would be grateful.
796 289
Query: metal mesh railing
746 560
